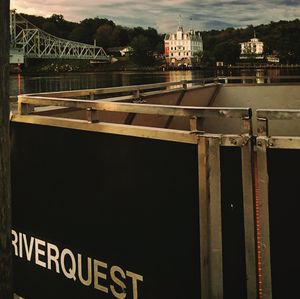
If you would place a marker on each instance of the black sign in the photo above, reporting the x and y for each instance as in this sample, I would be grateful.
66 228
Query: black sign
284 206
103 216
233 237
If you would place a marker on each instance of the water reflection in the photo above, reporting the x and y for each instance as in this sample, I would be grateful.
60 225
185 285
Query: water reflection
181 75
20 84
274 74
260 76
257 74
33 84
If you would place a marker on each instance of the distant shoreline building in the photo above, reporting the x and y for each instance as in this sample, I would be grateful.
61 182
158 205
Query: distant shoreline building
183 48
272 59
252 49
120 51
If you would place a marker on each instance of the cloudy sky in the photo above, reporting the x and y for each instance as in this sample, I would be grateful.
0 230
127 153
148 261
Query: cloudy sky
164 14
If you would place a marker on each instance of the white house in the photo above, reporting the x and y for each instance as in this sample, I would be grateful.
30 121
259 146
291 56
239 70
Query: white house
121 51
253 48
183 48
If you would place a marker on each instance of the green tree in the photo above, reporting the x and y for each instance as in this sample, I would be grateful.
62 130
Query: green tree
208 58
80 34
107 36
142 50
123 36
199 56
58 26
228 51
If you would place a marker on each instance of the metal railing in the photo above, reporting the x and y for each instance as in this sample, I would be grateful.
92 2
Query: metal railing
138 90
209 146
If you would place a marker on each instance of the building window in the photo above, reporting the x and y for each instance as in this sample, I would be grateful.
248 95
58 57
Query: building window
171 48
179 54
175 48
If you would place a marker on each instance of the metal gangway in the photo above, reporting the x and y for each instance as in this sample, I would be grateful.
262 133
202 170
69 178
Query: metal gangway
32 42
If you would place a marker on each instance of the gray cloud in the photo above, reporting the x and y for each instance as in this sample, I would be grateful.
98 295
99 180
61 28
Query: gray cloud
163 14
288 2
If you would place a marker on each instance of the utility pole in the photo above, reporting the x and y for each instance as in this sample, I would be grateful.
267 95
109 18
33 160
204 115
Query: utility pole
5 200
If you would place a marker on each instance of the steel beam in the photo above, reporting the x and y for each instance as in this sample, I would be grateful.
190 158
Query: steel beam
37 43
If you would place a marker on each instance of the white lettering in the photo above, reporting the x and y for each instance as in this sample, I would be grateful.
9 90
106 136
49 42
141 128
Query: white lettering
39 252
91 272
98 275
135 277
20 245
15 241
117 281
28 251
71 273
88 281
51 257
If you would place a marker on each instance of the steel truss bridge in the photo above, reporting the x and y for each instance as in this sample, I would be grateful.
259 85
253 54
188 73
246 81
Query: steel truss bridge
32 42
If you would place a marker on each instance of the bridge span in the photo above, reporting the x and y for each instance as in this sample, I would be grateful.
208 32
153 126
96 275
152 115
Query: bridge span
29 41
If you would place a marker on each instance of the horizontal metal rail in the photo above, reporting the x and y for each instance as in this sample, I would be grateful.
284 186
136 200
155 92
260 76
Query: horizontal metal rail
137 89
278 114
108 90
266 79
167 110
283 142
131 130
265 115
110 128
130 88
134 104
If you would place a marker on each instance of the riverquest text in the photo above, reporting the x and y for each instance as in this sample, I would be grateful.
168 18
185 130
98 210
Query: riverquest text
98 273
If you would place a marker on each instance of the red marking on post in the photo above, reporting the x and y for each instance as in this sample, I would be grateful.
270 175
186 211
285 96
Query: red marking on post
258 234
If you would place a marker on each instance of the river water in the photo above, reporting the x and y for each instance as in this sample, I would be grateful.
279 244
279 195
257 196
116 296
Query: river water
20 84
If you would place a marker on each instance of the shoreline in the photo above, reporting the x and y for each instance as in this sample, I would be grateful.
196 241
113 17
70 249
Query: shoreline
66 68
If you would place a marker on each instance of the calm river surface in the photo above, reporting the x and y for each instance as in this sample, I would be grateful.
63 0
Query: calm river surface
20 84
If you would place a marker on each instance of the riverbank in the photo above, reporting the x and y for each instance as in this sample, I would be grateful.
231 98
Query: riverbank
43 66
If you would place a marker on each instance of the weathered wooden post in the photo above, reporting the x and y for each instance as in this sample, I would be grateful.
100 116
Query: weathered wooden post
5 202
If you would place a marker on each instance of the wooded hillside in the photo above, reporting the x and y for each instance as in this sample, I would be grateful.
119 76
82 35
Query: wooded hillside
281 38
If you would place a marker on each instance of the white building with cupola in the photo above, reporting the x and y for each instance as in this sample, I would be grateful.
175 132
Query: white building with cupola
252 49
183 48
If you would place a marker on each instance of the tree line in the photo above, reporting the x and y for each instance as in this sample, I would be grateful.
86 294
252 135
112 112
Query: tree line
281 38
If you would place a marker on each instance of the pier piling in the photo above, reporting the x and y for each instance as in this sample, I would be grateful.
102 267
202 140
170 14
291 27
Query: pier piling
5 201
